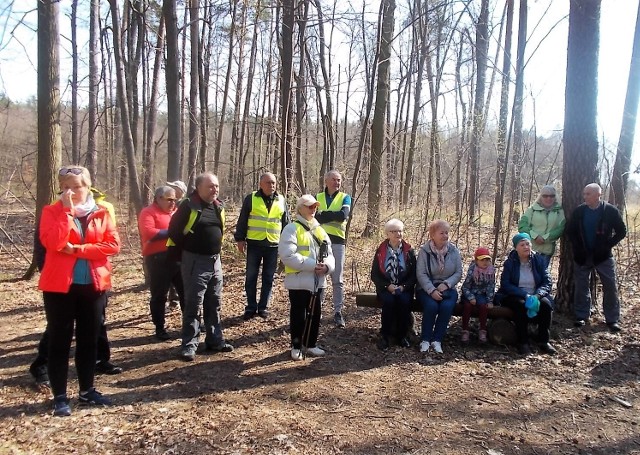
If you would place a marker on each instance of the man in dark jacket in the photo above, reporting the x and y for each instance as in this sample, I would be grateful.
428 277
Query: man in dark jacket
594 229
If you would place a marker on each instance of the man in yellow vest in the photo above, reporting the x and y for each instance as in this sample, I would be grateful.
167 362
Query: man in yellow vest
332 215
262 217
196 229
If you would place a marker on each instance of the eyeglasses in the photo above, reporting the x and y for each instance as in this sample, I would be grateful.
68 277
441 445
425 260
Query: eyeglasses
396 231
70 170
548 195
169 199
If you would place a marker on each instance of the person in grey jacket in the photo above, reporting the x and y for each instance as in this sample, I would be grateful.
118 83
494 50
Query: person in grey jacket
305 250
438 270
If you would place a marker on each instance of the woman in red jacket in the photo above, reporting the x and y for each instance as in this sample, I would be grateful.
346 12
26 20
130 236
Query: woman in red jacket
79 236
153 225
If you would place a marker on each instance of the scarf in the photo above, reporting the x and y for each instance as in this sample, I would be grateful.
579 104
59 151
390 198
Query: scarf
393 264
440 253
88 206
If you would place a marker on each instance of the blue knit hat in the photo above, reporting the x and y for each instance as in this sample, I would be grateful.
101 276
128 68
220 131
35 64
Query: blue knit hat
519 237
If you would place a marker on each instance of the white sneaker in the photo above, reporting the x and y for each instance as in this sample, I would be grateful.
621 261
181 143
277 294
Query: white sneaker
437 347
424 346
296 354
315 352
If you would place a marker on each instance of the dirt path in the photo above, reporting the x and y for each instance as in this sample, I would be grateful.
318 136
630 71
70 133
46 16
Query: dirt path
356 400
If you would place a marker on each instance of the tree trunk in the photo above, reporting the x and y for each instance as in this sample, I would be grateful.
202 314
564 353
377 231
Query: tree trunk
94 87
580 138
134 187
194 29
49 140
482 46
172 77
75 146
286 95
620 177
378 124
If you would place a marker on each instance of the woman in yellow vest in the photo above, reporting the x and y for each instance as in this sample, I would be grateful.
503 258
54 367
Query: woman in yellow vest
305 250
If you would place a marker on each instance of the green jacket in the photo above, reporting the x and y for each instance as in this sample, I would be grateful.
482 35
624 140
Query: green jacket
548 224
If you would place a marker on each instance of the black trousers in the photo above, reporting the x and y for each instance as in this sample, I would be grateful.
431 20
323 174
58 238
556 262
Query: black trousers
103 346
84 307
162 274
543 319
304 317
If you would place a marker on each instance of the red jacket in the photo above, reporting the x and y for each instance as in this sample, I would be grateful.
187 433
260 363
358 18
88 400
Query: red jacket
153 219
101 240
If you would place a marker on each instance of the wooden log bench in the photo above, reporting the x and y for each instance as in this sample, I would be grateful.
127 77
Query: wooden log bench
500 328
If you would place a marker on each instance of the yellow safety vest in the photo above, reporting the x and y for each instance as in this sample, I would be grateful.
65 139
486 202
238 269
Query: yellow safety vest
337 228
304 242
193 215
265 224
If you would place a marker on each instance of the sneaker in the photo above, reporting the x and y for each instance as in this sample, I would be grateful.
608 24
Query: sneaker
40 374
188 355
437 347
425 346
315 352
61 407
222 347
579 323
614 327
106 367
296 354
94 398
465 336
264 314
338 319
482 336
162 335
548 348
405 343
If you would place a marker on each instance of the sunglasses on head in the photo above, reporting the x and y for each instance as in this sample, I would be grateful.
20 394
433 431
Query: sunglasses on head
70 170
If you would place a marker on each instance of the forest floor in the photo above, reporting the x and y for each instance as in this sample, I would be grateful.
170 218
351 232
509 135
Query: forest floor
356 400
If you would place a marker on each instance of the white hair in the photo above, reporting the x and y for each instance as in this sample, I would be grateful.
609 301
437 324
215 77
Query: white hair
393 224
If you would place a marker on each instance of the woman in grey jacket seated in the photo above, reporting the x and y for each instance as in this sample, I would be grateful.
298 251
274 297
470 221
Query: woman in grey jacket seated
305 250
438 270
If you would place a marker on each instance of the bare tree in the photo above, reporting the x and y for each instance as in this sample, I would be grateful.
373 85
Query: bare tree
580 138
94 86
620 177
172 78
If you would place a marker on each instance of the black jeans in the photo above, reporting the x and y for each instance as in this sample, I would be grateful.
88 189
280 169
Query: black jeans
162 274
82 305
304 317
543 319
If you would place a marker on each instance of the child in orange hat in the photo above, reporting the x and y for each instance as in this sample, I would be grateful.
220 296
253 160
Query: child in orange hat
478 290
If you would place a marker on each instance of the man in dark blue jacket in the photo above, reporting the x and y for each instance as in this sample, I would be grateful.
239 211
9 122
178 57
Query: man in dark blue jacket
594 228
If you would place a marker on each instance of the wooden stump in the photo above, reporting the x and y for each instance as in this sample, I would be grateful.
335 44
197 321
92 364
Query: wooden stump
502 331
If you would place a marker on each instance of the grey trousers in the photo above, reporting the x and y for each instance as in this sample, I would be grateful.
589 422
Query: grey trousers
202 280
337 283
582 298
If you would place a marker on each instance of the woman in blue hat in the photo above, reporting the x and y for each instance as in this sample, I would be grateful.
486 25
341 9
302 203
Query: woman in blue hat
525 287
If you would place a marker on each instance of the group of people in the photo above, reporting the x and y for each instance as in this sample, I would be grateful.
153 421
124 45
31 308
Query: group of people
181 236
433 274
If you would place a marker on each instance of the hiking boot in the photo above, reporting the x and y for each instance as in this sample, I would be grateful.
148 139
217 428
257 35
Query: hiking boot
61 407
405 343
222 347
315 352
106 367
524 349
338 319
264 314
548 348
248 315
162 335
383 344
465 336
188 355
40 374
482 336
94 398
614 327
579 323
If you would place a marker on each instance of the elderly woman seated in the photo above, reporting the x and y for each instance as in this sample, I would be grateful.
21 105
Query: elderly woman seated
524 287
394 273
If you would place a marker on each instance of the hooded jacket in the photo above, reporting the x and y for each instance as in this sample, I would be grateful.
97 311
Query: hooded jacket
546 223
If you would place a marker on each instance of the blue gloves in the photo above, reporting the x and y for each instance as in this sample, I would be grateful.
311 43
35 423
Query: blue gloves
532 304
